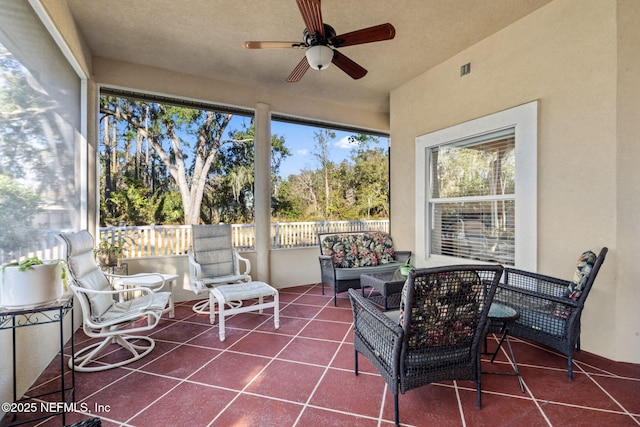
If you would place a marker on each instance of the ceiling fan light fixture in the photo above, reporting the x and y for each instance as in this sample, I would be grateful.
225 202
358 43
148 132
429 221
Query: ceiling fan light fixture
319 56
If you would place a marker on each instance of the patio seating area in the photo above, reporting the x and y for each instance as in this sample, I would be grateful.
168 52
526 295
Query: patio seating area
302 375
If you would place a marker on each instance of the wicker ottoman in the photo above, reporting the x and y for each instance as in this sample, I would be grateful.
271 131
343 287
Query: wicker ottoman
224 294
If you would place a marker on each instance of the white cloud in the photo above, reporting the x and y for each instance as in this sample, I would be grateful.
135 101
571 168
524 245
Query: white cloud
345 144
302 152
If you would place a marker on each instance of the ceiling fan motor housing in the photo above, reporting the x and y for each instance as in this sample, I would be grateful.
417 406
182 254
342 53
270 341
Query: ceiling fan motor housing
316 38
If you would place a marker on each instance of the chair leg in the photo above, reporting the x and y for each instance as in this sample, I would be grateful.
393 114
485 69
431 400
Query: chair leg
570 368
479 394
396 411
201 307
89 355
355 365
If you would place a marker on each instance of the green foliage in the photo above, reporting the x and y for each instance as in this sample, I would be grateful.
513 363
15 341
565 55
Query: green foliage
160 162
18 207
474 171
25 264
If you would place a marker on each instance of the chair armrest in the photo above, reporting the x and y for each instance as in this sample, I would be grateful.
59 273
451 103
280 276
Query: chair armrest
194 267
376 331
195 274
535 293
246 261
326 262
133 314
403 256
530 295
538 284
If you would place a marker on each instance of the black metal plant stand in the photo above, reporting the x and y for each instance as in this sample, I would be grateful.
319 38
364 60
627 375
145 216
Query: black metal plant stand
13 319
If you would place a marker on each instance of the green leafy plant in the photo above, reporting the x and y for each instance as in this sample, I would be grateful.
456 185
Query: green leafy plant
405 268
111 252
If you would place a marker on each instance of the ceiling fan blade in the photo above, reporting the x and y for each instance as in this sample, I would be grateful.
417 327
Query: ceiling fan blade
348 66
272 45
366 35
312 16
299 71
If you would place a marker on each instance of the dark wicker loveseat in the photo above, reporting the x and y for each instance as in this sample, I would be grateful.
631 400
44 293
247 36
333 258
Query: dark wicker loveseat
344 256
548 313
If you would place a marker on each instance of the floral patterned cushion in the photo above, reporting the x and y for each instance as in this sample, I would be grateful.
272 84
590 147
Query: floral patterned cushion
364 249
444 310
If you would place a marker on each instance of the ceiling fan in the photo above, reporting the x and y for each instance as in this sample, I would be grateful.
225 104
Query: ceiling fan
321 43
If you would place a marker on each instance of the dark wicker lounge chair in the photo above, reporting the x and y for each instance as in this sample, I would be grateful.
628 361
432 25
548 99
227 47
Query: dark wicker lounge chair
548 314
443 320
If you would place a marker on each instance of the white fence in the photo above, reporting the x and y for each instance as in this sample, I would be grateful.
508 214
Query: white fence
164 240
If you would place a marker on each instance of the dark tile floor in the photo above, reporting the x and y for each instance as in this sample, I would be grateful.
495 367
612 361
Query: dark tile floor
302 375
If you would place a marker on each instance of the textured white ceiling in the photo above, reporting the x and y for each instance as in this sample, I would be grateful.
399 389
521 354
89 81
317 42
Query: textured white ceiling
204 38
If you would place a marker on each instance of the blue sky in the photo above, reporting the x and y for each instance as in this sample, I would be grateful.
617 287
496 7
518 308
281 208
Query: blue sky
299 139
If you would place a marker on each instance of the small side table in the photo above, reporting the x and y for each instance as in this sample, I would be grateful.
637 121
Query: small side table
388 284
53 312
151 281
501 316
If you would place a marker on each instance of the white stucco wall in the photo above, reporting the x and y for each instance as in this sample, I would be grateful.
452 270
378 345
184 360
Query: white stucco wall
565 55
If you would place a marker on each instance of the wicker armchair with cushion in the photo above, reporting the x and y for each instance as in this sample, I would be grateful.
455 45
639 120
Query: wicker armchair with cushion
550 308
439 331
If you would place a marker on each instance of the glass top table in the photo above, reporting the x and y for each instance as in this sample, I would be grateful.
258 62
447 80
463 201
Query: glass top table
502 316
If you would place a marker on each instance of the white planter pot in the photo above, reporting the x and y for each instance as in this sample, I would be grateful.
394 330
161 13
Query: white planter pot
28 288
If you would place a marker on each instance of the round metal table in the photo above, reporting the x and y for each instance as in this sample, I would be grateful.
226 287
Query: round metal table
501 316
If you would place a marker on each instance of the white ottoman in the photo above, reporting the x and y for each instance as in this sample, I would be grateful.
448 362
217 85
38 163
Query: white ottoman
222 295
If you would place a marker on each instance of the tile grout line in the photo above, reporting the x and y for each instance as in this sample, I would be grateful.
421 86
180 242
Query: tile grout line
209 329
138 369
324 373
180 382
624 410
243 391
459 400
307 404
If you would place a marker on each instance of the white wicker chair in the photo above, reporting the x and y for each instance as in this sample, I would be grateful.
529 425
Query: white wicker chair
106 314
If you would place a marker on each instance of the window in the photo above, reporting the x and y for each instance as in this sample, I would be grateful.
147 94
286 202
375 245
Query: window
476 190
42 147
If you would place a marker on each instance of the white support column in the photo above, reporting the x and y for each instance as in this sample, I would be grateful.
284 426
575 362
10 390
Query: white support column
262 189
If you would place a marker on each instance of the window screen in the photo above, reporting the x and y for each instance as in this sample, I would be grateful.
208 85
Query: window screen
472 197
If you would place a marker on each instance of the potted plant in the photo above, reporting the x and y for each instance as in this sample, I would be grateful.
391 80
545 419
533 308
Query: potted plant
110 253
405 268
32 282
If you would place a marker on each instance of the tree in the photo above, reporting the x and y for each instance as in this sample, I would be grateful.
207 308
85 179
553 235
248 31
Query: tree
193 153
370 178
164 126
235 166
323 137
18 206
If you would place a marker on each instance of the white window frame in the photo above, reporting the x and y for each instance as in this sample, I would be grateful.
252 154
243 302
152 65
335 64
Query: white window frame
524 120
